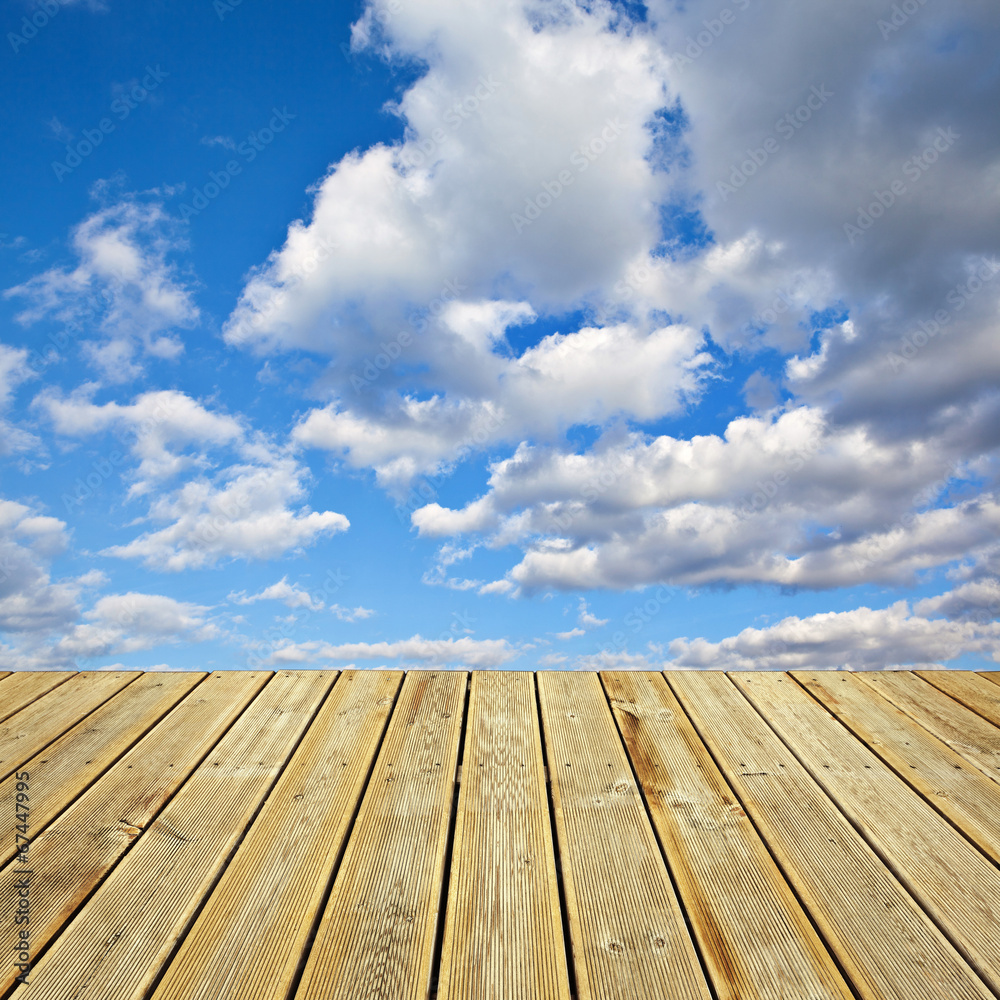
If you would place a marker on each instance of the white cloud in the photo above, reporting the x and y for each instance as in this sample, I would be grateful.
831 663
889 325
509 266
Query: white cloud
128 623
862 639
290 594
588 619
782 498
14 370
473 653
248 508
976 601
351 614
243 513
30 603
122 288
571 634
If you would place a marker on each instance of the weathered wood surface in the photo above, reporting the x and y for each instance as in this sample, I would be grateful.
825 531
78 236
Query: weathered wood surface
313 836
117 945
503 935
967 733
626 926
249 939
753 934
886 943
377 935
952 880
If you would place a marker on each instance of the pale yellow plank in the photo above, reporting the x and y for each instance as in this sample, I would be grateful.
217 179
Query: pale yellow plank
967 733
626 928
70 858
887 945
754 937
973 690
23 687
951 879
503 932
376 937
118 943
47 718
248 941
965 796
66 767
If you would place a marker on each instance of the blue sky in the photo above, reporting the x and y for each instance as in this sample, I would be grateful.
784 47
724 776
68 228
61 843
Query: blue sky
525 335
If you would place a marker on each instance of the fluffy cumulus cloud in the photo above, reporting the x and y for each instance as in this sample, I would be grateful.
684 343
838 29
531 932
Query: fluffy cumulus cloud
836 221
15 369
128 623
862 639
43 621
742 507
203 509
123 298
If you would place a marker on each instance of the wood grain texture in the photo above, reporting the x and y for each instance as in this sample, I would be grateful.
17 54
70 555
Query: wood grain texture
22 687
626 928
503 932
959 792
249 939
888 946
36 725
67 766
117 945
974 691
754 937
73 855
967 733
954 883
377 935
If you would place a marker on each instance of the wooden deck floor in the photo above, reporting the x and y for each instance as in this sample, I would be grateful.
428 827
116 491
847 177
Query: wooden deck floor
495 835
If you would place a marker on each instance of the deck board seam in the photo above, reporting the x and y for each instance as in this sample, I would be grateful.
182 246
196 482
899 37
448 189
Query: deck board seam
720 765
873 844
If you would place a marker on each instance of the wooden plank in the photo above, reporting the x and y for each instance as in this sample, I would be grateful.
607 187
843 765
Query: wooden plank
887 945
967 733
36 725
23 687
72 856
377 934
969 799
249 940
66 767
754 936
956 885
972 690
117 945
503 932
627 931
